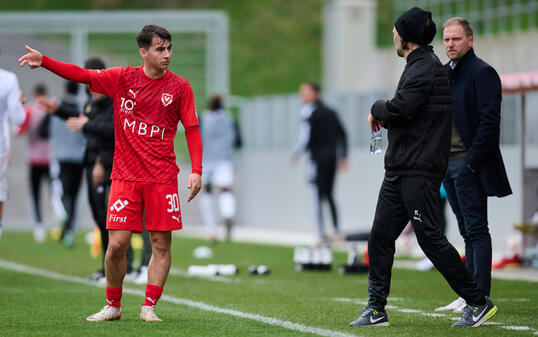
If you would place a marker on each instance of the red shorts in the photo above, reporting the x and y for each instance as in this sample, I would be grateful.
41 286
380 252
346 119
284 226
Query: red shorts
129 200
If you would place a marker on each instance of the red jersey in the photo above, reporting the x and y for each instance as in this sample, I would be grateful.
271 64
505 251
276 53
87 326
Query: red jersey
146 114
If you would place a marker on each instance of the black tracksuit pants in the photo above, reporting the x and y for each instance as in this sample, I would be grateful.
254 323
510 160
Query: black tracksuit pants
98 198
414 198
71 178
323 173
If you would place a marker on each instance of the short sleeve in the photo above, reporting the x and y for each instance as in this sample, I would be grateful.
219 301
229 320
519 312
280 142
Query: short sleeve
105 81
187 110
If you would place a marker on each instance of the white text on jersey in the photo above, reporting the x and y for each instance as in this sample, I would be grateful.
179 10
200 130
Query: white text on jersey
142 129
127 105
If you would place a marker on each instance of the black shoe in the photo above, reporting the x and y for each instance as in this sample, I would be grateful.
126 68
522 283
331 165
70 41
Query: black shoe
371 317
475 315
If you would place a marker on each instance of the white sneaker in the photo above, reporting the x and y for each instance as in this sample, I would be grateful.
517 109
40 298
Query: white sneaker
107 314
39 233
457 304
142 277
147 314
459 310
424 264
131 276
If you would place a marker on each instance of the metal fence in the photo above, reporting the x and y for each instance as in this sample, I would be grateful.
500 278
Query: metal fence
487 16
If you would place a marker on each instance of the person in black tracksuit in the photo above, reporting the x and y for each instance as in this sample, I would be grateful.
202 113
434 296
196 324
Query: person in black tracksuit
323 135
418 120
67 149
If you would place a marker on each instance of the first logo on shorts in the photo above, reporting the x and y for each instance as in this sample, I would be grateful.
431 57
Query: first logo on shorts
119 205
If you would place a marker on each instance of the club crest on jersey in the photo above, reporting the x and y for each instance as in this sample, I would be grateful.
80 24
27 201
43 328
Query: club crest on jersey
166 99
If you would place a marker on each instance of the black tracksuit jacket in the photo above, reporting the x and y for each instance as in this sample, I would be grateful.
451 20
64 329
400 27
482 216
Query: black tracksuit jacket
418 118
99 131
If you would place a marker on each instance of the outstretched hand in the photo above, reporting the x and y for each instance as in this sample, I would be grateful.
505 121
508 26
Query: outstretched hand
33 58
194 184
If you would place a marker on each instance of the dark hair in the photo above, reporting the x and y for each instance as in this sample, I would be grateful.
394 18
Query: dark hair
316 87
40 89
94 63
71 87
146 35
215 103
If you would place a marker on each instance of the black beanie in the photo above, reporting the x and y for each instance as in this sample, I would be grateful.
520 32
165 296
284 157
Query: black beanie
416 25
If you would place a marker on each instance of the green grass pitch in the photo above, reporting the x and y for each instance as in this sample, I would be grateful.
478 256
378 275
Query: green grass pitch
324 302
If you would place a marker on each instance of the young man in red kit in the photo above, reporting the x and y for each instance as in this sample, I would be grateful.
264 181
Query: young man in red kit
149 101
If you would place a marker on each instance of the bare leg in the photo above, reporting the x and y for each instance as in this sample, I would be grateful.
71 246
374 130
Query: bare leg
115 260
159 264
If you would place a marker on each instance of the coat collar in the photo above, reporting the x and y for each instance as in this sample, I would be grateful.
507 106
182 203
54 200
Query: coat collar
465 60
417 53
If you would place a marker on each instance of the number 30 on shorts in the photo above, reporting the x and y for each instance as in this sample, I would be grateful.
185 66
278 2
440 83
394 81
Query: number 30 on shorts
173 202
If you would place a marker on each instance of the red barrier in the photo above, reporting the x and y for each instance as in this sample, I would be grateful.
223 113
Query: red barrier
519 82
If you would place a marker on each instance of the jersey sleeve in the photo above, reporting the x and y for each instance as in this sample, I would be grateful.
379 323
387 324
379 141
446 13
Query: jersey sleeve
105 81
194 143
187 109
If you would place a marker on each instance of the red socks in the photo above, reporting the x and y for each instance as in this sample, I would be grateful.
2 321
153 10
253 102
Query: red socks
153 293
113 296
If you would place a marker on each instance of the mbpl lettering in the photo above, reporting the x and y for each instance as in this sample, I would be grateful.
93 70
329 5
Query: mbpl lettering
143 129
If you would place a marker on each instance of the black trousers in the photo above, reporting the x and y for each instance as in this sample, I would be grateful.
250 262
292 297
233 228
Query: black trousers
470 205
71 178
98 198
37 174
323 173
413 198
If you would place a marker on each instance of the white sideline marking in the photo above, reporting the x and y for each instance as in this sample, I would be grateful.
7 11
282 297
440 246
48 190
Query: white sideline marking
523 299
181 301
361 301
513 327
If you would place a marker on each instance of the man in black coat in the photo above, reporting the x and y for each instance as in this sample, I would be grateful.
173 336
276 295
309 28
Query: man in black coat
418 120
476 169
323 135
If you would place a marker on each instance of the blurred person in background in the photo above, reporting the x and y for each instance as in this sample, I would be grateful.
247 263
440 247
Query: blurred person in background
322 134
221 137
11 113
67 155
38 156
418 119
476 168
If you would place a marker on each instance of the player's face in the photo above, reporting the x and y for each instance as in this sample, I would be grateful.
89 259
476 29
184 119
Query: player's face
307 93
456 42
158 54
